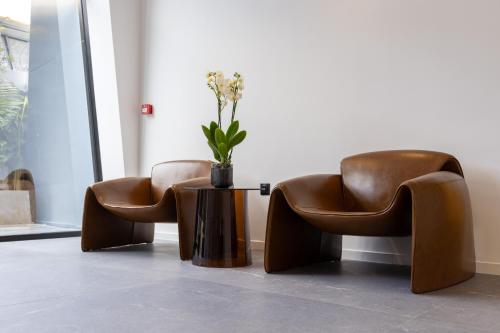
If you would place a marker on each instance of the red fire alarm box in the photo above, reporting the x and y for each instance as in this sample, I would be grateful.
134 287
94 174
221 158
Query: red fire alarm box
147 109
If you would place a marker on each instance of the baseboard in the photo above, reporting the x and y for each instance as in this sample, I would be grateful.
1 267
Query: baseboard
167 236
486 267
378 257
483 267
257 245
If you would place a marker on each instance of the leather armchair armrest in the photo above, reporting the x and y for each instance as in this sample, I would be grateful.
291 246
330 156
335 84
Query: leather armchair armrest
130 190
183 188
442 224
290 240
191 183
433 178
318 191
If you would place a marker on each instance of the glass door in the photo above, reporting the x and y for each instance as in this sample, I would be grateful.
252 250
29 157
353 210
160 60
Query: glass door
46 141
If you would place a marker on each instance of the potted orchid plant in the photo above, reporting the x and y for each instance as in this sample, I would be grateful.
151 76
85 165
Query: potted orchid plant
222 142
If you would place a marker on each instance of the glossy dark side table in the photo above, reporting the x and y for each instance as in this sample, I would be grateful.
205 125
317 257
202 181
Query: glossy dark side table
221 236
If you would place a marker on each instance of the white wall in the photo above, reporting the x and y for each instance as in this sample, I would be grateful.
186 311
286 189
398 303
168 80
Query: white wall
326 79
115 29
105 89
126 23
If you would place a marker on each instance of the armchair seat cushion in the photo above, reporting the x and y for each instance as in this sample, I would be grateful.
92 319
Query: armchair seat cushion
131 199
318 200
393 221
117 206
141 213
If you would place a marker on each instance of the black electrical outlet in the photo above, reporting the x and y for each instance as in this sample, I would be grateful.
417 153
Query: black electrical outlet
265 188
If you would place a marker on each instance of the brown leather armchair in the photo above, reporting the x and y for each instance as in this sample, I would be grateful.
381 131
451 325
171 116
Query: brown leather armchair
388 193
123 211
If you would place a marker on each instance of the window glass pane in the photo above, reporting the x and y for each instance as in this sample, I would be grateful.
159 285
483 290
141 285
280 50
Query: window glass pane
19 50
4 56
45 144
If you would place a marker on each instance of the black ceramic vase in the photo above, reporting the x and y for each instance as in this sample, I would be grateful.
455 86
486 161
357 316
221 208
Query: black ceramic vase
221 176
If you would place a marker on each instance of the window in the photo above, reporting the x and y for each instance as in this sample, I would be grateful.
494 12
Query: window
46 134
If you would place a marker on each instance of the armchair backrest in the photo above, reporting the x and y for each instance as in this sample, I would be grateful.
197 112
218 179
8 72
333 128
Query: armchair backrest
370 180
165 174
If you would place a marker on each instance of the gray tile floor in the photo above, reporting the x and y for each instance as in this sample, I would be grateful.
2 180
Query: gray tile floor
50 286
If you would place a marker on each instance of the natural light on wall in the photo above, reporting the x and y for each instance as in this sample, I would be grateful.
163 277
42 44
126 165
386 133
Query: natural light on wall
18 10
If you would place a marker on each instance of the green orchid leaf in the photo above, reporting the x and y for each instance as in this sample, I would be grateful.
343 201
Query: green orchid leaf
223 151
213 127
219 137
215 151
206 131
237 139
232 130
